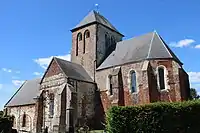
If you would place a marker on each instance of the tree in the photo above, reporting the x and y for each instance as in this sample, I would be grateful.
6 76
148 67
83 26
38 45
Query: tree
193 94
1 113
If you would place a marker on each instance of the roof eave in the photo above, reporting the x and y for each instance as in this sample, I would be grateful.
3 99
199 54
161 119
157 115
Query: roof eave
82 26
26 104
99 69
82 80
77 28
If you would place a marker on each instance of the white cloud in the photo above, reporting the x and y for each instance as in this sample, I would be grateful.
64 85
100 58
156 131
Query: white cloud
44 62
17 82
194 77
17 72
1 86
182 43
197 46
7 70
37 73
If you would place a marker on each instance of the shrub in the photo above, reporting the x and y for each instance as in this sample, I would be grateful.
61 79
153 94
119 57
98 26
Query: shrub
180 117
5 124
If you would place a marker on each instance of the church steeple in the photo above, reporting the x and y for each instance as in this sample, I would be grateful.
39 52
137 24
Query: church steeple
93 39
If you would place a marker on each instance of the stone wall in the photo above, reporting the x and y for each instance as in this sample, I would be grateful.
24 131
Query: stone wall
101 42
147 83
94 46
53 85
67 92
184 84
172 92
83 102
18 113
85 59
139 97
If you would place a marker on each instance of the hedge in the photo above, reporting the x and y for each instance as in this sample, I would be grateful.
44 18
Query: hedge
180 117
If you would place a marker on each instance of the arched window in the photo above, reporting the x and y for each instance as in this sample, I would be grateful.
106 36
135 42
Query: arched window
51 105
110 85
79 36
24 120
87 34
161 77
133 82
13 121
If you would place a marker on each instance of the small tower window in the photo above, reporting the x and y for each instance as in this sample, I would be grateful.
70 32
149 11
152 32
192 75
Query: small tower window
79 36
112 41
107 41
161 77
133 82
87 34
110 85
51 105
24 120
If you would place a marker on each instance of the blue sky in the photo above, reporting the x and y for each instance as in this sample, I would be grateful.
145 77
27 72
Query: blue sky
32 31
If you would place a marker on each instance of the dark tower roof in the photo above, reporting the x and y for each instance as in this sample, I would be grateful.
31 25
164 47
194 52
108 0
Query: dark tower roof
95 17
145 47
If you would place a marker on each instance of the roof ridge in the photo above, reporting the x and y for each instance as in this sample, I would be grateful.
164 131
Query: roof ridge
135 37
169 50
95 13
56 59
67 61
164 44
150 47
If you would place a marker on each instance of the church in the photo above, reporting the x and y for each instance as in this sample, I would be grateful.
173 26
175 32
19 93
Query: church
104 71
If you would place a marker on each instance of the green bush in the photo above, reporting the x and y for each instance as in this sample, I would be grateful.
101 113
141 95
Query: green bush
181 117
5 123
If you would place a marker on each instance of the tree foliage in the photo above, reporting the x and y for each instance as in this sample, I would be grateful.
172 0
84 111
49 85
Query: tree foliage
193 94
5 123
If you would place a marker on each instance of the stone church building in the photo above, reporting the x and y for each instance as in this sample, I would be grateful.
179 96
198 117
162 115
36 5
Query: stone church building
104 71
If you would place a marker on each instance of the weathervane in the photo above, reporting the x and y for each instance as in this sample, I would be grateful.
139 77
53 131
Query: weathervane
97 7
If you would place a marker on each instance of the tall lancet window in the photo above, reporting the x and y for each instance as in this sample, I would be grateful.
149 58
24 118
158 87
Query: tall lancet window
161 77
86 35
24 120
51 105
107 41
79 38
110 85
133 82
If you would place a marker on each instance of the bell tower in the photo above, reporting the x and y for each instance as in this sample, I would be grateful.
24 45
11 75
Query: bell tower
93 39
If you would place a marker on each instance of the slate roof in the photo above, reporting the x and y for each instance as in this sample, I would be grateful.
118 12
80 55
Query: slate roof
144 47
73 70
25 94
93 17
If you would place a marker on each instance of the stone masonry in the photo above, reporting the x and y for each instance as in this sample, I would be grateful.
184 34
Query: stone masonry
18 113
